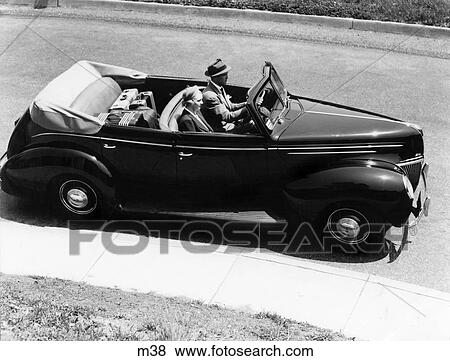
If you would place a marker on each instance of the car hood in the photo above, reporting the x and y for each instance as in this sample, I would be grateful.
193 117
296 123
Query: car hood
324 122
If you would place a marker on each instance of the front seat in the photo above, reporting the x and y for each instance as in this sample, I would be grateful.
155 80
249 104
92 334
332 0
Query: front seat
172 112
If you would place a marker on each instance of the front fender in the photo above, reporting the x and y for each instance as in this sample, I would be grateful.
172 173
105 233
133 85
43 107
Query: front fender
377 185
32 170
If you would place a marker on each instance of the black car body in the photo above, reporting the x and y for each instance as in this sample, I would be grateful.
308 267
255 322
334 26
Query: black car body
327 162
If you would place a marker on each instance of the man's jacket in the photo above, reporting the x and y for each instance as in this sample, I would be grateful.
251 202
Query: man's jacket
218 109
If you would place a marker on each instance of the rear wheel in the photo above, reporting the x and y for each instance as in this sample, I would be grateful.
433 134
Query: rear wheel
76 198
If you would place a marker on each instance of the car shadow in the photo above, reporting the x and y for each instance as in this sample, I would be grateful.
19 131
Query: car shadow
238 236
246 235
28 211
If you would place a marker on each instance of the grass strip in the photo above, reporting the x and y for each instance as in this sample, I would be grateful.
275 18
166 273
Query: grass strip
426 12
38 308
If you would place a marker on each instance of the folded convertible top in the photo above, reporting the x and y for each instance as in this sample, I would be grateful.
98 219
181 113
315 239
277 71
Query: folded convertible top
72 101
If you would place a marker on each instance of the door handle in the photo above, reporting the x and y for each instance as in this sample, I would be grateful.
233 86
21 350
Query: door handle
182 154
107 146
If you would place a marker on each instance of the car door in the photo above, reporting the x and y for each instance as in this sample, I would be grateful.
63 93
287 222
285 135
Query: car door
144 165
217 169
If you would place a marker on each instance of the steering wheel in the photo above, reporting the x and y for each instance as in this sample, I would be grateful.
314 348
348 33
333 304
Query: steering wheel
262 109
260 98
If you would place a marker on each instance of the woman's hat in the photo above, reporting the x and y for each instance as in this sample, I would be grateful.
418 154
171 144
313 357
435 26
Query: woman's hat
217 68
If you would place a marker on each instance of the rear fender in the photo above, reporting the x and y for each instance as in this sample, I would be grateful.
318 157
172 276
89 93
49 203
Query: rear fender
34 170
19 137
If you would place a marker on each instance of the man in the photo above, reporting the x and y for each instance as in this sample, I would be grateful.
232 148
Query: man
218 110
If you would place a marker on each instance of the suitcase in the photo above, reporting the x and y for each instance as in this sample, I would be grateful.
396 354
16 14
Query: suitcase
143 117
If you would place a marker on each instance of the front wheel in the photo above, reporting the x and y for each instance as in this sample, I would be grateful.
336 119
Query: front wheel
355 227
348 226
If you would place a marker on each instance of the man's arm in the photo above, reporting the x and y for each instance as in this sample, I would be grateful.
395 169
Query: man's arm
212 103
237 106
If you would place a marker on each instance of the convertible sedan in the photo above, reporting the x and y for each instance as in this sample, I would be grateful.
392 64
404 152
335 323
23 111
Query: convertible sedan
102 138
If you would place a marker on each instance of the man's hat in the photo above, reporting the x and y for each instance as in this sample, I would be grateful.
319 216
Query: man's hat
217 68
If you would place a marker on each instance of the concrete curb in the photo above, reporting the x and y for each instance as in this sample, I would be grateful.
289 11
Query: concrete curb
346 23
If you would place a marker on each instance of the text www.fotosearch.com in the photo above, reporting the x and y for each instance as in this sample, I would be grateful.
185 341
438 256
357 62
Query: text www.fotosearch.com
214 351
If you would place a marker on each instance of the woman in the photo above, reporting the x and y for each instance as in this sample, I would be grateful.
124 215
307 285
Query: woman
191 120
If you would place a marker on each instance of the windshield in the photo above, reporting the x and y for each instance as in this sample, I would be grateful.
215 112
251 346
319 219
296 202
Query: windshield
272 99
278 86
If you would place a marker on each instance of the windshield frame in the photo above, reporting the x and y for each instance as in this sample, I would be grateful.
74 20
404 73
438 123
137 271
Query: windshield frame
269 75
277 84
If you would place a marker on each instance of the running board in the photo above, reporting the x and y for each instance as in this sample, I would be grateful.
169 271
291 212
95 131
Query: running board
242 216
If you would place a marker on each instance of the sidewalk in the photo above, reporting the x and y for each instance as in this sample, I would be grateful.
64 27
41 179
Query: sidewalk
357 304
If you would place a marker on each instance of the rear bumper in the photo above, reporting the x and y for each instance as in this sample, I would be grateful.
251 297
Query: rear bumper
422 199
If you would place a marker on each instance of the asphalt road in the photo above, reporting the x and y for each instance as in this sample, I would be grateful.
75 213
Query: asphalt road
415 88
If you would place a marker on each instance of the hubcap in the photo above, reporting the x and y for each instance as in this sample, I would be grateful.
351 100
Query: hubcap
348 227
77 198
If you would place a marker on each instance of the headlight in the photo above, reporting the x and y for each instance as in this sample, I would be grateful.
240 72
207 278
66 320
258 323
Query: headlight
408 187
